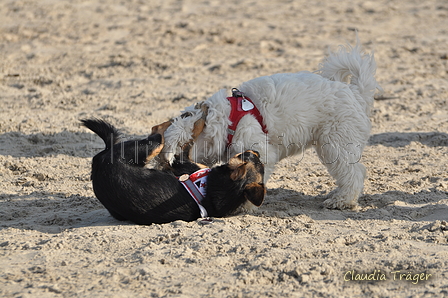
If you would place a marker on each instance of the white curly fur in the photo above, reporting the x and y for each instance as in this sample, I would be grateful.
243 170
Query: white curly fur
328 109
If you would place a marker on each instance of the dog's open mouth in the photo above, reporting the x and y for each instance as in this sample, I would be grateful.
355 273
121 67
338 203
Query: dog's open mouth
186 114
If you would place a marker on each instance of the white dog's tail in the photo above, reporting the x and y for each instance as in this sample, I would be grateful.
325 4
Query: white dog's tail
351 65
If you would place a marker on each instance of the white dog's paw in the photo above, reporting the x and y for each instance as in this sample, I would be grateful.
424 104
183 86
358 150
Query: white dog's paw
336 200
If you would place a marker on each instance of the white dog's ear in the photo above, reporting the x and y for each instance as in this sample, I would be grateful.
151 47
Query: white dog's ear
239 172
160 128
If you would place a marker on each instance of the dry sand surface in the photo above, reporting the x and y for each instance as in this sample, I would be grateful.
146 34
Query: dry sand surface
137 63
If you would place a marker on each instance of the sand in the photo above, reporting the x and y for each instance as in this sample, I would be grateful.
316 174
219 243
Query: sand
138 63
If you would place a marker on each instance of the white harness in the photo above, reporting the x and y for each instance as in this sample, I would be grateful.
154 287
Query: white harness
196 185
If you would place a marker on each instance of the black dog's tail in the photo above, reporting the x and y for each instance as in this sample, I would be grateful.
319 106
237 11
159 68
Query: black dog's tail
104 130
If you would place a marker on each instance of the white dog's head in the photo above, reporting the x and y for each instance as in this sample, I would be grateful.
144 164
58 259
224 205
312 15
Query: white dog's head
211 141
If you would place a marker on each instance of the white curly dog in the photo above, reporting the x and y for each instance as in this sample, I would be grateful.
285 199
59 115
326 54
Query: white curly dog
284 114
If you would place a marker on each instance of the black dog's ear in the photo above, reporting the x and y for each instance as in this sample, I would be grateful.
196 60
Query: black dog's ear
254 193
239 172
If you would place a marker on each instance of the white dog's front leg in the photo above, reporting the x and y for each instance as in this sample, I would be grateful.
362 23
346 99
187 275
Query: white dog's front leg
350 184
269 156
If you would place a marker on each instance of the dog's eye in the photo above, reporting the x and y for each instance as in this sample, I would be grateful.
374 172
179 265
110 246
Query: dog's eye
185 115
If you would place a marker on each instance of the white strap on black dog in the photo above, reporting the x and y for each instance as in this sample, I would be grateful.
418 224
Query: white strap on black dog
196 184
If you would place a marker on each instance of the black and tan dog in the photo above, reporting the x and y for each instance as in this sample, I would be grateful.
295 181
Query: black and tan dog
131 191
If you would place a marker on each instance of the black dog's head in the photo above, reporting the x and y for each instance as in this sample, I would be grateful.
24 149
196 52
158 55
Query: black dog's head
233 184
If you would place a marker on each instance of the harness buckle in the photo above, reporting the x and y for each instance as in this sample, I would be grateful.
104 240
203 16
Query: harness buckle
184 177
237 93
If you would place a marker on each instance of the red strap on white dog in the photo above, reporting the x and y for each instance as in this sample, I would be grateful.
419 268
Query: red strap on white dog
240 107
196 185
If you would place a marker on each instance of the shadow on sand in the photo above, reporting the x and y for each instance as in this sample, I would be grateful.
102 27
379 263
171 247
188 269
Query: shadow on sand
402 139
53 213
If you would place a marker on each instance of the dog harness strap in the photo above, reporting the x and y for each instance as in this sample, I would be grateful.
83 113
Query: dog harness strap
196 184
240 107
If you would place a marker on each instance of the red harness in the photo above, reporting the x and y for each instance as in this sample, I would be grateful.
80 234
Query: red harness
240 107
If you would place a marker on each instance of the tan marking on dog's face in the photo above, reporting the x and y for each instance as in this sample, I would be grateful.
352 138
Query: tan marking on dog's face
258 177
239 172
154 153
251 170
240 155
236 162
253 152
201 166
158 129
243 169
